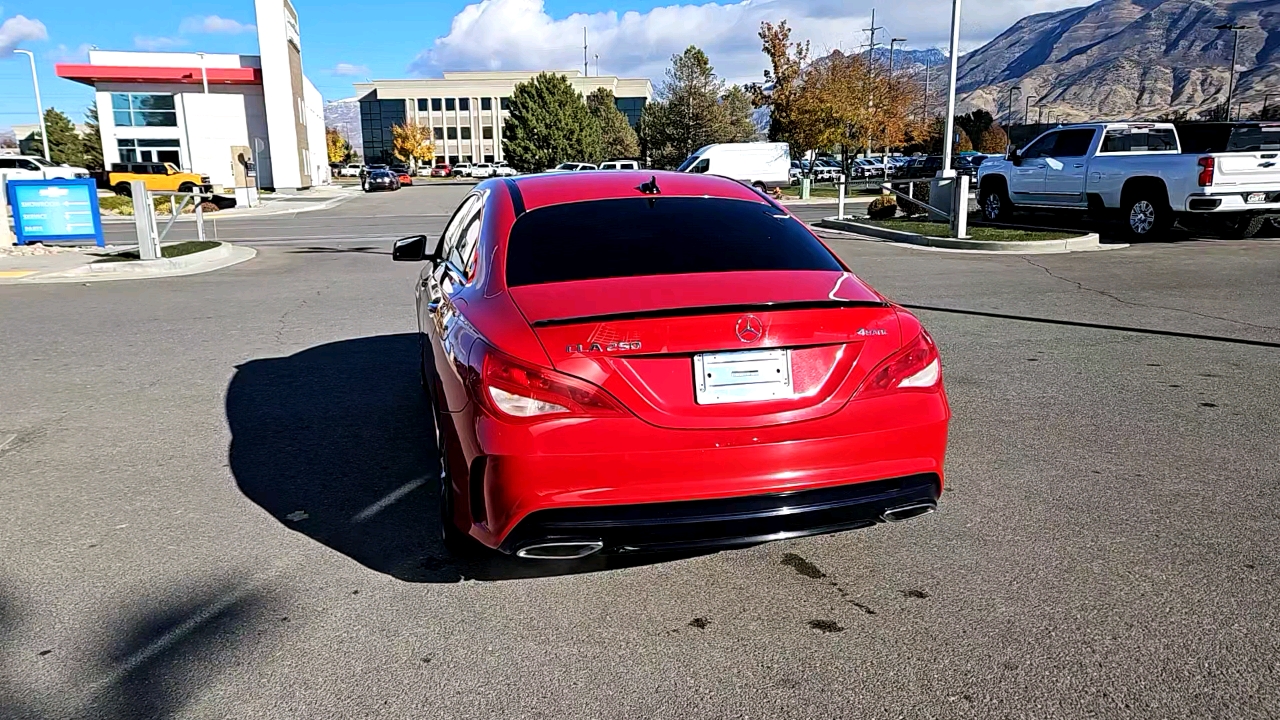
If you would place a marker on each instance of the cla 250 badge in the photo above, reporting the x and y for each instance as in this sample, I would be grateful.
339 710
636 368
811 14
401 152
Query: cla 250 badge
607 347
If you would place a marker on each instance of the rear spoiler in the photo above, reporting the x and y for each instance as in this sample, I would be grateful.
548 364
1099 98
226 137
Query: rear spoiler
708 310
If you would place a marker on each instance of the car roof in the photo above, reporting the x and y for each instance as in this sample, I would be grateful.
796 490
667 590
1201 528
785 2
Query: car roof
556 188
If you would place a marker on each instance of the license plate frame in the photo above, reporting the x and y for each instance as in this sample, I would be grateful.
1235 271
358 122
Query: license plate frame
740 376
1255 198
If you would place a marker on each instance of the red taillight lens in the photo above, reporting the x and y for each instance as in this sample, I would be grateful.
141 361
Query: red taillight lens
1206 171
914 367
519 391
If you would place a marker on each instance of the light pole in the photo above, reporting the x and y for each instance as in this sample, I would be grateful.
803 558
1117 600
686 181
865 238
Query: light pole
1012 90
1235 45
892 42
35 82
947 171
1026 112
204 74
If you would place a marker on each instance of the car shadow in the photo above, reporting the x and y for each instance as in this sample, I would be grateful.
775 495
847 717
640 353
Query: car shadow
336 442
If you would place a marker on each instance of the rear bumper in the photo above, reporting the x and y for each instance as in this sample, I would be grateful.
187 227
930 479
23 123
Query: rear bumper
1233 201
726 522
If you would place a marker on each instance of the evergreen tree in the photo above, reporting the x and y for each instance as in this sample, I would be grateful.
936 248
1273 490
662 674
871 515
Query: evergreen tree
91 143
739 125
65 144
975 123
616 135
693 110
549 124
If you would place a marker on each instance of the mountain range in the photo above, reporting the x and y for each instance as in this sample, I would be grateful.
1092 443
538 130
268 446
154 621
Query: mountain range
1126 59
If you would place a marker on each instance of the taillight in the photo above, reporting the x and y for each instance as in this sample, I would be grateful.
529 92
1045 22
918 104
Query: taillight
520 391
1206 171
914 367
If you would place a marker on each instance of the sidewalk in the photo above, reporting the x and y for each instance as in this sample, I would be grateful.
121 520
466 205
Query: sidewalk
29 264
318 198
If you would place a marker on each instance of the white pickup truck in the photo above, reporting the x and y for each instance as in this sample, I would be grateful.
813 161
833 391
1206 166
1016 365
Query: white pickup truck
31 167
1143 172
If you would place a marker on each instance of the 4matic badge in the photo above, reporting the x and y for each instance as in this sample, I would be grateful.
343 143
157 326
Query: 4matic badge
864 332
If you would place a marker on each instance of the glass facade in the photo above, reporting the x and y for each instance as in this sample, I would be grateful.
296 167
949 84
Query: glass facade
486 103
376 119
423 105
143 110
435 104
450 104
631 107
464 104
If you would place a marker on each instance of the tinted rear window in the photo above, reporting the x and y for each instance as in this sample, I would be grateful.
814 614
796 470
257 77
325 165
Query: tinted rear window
1254 138
657 236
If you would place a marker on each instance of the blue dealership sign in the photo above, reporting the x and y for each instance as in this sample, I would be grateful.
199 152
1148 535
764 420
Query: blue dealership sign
55 210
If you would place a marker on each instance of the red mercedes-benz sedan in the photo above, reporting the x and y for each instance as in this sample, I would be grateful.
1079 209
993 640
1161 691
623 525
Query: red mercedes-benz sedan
636 361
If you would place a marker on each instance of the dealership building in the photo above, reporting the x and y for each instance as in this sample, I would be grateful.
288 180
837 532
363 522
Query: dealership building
466 110
227 116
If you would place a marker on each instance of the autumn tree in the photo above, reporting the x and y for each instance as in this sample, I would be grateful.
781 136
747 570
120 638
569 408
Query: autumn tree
693 109
411 143
549 123
339 149
994 140
778 93
618 139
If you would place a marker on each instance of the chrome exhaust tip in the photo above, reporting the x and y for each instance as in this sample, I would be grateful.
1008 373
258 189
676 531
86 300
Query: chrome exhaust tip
906 512
560 550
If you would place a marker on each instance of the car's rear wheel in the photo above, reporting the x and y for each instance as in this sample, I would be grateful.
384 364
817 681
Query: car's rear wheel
123 190
760 186
1144 216
455 541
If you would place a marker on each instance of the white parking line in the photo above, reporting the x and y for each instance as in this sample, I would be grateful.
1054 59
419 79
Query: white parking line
390 498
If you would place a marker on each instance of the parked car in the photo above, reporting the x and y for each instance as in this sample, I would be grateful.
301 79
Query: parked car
572 167
351 170
441 170
378 180
405 178
156 176
712 301
31 167
398 168
461 169
368 169
620 165
501 169
482 170
826 169
762 165
424 170
1139 170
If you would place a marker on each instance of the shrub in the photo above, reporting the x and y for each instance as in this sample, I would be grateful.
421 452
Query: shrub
882 208
116 204
920 191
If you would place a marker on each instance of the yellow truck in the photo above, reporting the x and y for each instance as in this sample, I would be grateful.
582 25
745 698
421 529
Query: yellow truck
157 176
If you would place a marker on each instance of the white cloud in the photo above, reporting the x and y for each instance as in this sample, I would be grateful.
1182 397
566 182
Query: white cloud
521 35
213 24
154 44
77 54
19 29
350 70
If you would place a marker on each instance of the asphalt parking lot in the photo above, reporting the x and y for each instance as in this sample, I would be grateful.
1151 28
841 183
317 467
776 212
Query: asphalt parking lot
217 504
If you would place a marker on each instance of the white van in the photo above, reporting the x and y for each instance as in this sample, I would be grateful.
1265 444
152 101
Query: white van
764 165
620 165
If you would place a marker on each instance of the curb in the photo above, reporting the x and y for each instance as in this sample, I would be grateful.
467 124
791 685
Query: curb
234 213
225 255
1083 243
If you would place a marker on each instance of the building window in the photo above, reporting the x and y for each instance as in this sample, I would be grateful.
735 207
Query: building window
465 158
486 103
488 158
435 104
466 133
631 107
504 103
440 160
486 132
453 133
464 104
423 104
437 133
143 110
449 104
150 150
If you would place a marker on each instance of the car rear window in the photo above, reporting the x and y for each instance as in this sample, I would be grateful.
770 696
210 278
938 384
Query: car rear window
1254 138
630 237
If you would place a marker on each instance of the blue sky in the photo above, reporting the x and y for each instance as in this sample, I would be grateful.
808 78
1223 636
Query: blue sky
346 42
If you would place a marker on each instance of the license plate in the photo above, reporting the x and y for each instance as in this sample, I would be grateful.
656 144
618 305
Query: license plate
1254 198
743 376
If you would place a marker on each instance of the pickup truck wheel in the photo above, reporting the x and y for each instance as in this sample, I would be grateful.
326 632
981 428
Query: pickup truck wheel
1245 227
187 187
1145 216
995 204
123 190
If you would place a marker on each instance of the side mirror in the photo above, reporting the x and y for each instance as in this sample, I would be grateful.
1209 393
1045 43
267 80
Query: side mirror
410 249
1013 156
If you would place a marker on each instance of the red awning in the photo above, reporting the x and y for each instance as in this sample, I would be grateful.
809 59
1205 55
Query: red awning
91 74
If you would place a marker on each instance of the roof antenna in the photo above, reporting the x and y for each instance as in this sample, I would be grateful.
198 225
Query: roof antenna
651 187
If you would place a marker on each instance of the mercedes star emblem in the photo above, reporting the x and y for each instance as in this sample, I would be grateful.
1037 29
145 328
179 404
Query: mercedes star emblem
749 328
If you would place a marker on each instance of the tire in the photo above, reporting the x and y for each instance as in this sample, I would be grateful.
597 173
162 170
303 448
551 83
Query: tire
761 187
187 187
1243 228
1144 216
994 203
123 190
456 543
